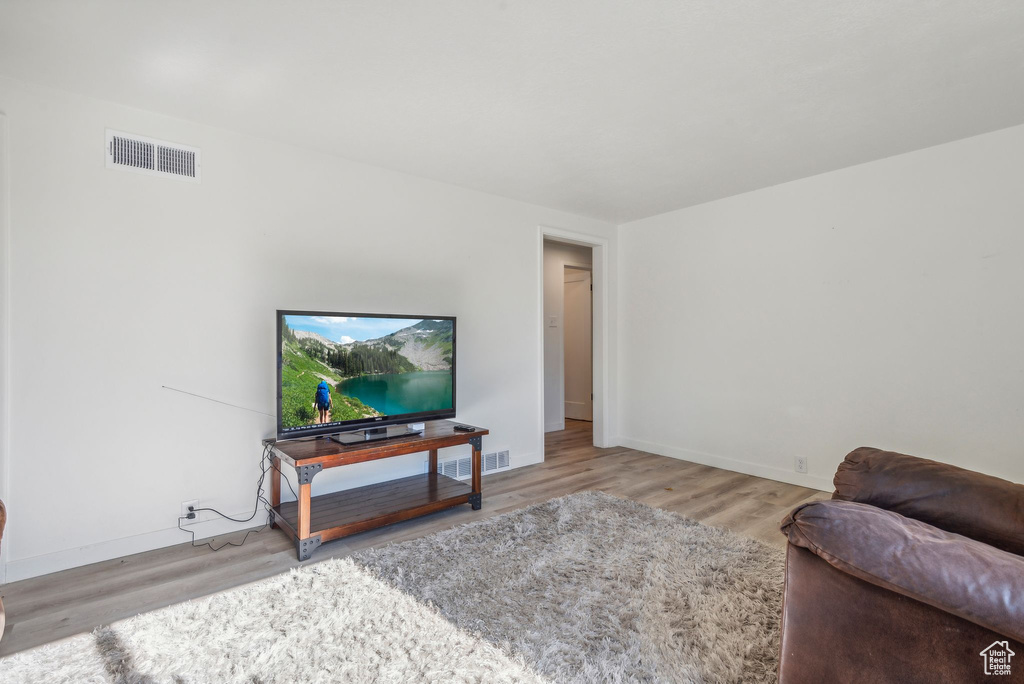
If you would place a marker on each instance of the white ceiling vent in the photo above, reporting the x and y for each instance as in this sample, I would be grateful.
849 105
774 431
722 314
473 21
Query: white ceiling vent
153 157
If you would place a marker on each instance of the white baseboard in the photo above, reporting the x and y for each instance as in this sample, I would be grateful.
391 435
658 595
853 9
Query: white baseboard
522 461
734 464
577 410
44 564
554 426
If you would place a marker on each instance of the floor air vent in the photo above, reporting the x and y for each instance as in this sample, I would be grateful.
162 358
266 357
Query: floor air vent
462 468
152 157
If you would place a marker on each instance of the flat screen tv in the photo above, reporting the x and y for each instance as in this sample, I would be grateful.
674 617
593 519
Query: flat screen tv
340 372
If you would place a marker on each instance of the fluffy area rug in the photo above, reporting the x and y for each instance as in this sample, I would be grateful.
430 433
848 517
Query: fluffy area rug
593 588
583 588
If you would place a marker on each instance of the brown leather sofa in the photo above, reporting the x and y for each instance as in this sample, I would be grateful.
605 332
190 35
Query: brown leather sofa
909 574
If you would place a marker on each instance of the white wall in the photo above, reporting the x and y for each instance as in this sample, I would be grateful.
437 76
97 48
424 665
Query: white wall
5 290
122 283
557 255
877 305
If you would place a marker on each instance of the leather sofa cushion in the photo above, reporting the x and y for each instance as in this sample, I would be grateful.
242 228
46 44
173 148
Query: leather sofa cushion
838 629
978 506
961 576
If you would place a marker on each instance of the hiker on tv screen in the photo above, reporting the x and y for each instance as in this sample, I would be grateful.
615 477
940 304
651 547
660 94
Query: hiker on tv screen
322 401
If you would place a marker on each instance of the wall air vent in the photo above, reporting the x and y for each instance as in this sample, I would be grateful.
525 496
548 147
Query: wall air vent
462 468
459 469
152 157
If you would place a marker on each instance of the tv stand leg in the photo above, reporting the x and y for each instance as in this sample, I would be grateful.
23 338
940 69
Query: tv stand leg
303 526
304 548
305 543
275 487
433 460
477 444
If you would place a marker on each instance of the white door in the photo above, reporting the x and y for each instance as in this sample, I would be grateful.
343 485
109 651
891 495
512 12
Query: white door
578 345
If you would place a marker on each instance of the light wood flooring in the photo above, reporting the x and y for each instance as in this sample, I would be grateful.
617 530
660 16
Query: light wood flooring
48 608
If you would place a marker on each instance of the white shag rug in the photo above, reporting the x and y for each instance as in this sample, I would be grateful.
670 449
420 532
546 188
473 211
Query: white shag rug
325 622
583 588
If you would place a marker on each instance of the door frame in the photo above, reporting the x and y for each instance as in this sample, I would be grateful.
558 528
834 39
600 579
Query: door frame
601 374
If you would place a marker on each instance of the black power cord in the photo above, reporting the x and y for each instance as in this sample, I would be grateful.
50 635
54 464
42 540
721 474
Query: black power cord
266 462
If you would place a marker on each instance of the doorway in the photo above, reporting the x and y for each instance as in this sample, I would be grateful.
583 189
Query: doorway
568 335
591 253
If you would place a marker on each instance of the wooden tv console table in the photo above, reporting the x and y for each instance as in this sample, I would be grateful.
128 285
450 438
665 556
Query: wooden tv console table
313 520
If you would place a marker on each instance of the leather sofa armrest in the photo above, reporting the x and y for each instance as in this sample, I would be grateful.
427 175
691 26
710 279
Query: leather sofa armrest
959 575
978 506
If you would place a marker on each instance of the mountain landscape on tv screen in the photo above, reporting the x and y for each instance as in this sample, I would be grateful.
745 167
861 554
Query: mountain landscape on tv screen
406 371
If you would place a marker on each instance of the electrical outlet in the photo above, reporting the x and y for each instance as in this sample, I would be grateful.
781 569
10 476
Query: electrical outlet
185 512
801 464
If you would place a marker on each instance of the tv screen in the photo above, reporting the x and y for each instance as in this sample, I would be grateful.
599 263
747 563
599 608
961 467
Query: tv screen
340 371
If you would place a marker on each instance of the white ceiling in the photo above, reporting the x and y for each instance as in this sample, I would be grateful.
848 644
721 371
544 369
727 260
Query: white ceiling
616 110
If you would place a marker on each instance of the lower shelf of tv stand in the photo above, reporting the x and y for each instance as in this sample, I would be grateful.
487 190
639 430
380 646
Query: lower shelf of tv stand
340 514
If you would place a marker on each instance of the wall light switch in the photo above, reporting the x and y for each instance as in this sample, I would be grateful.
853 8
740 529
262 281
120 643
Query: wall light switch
552 321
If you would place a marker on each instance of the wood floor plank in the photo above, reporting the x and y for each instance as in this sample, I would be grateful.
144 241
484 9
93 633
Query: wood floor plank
44 609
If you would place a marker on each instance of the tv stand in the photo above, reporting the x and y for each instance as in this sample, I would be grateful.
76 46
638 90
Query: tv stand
371 434
312 520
